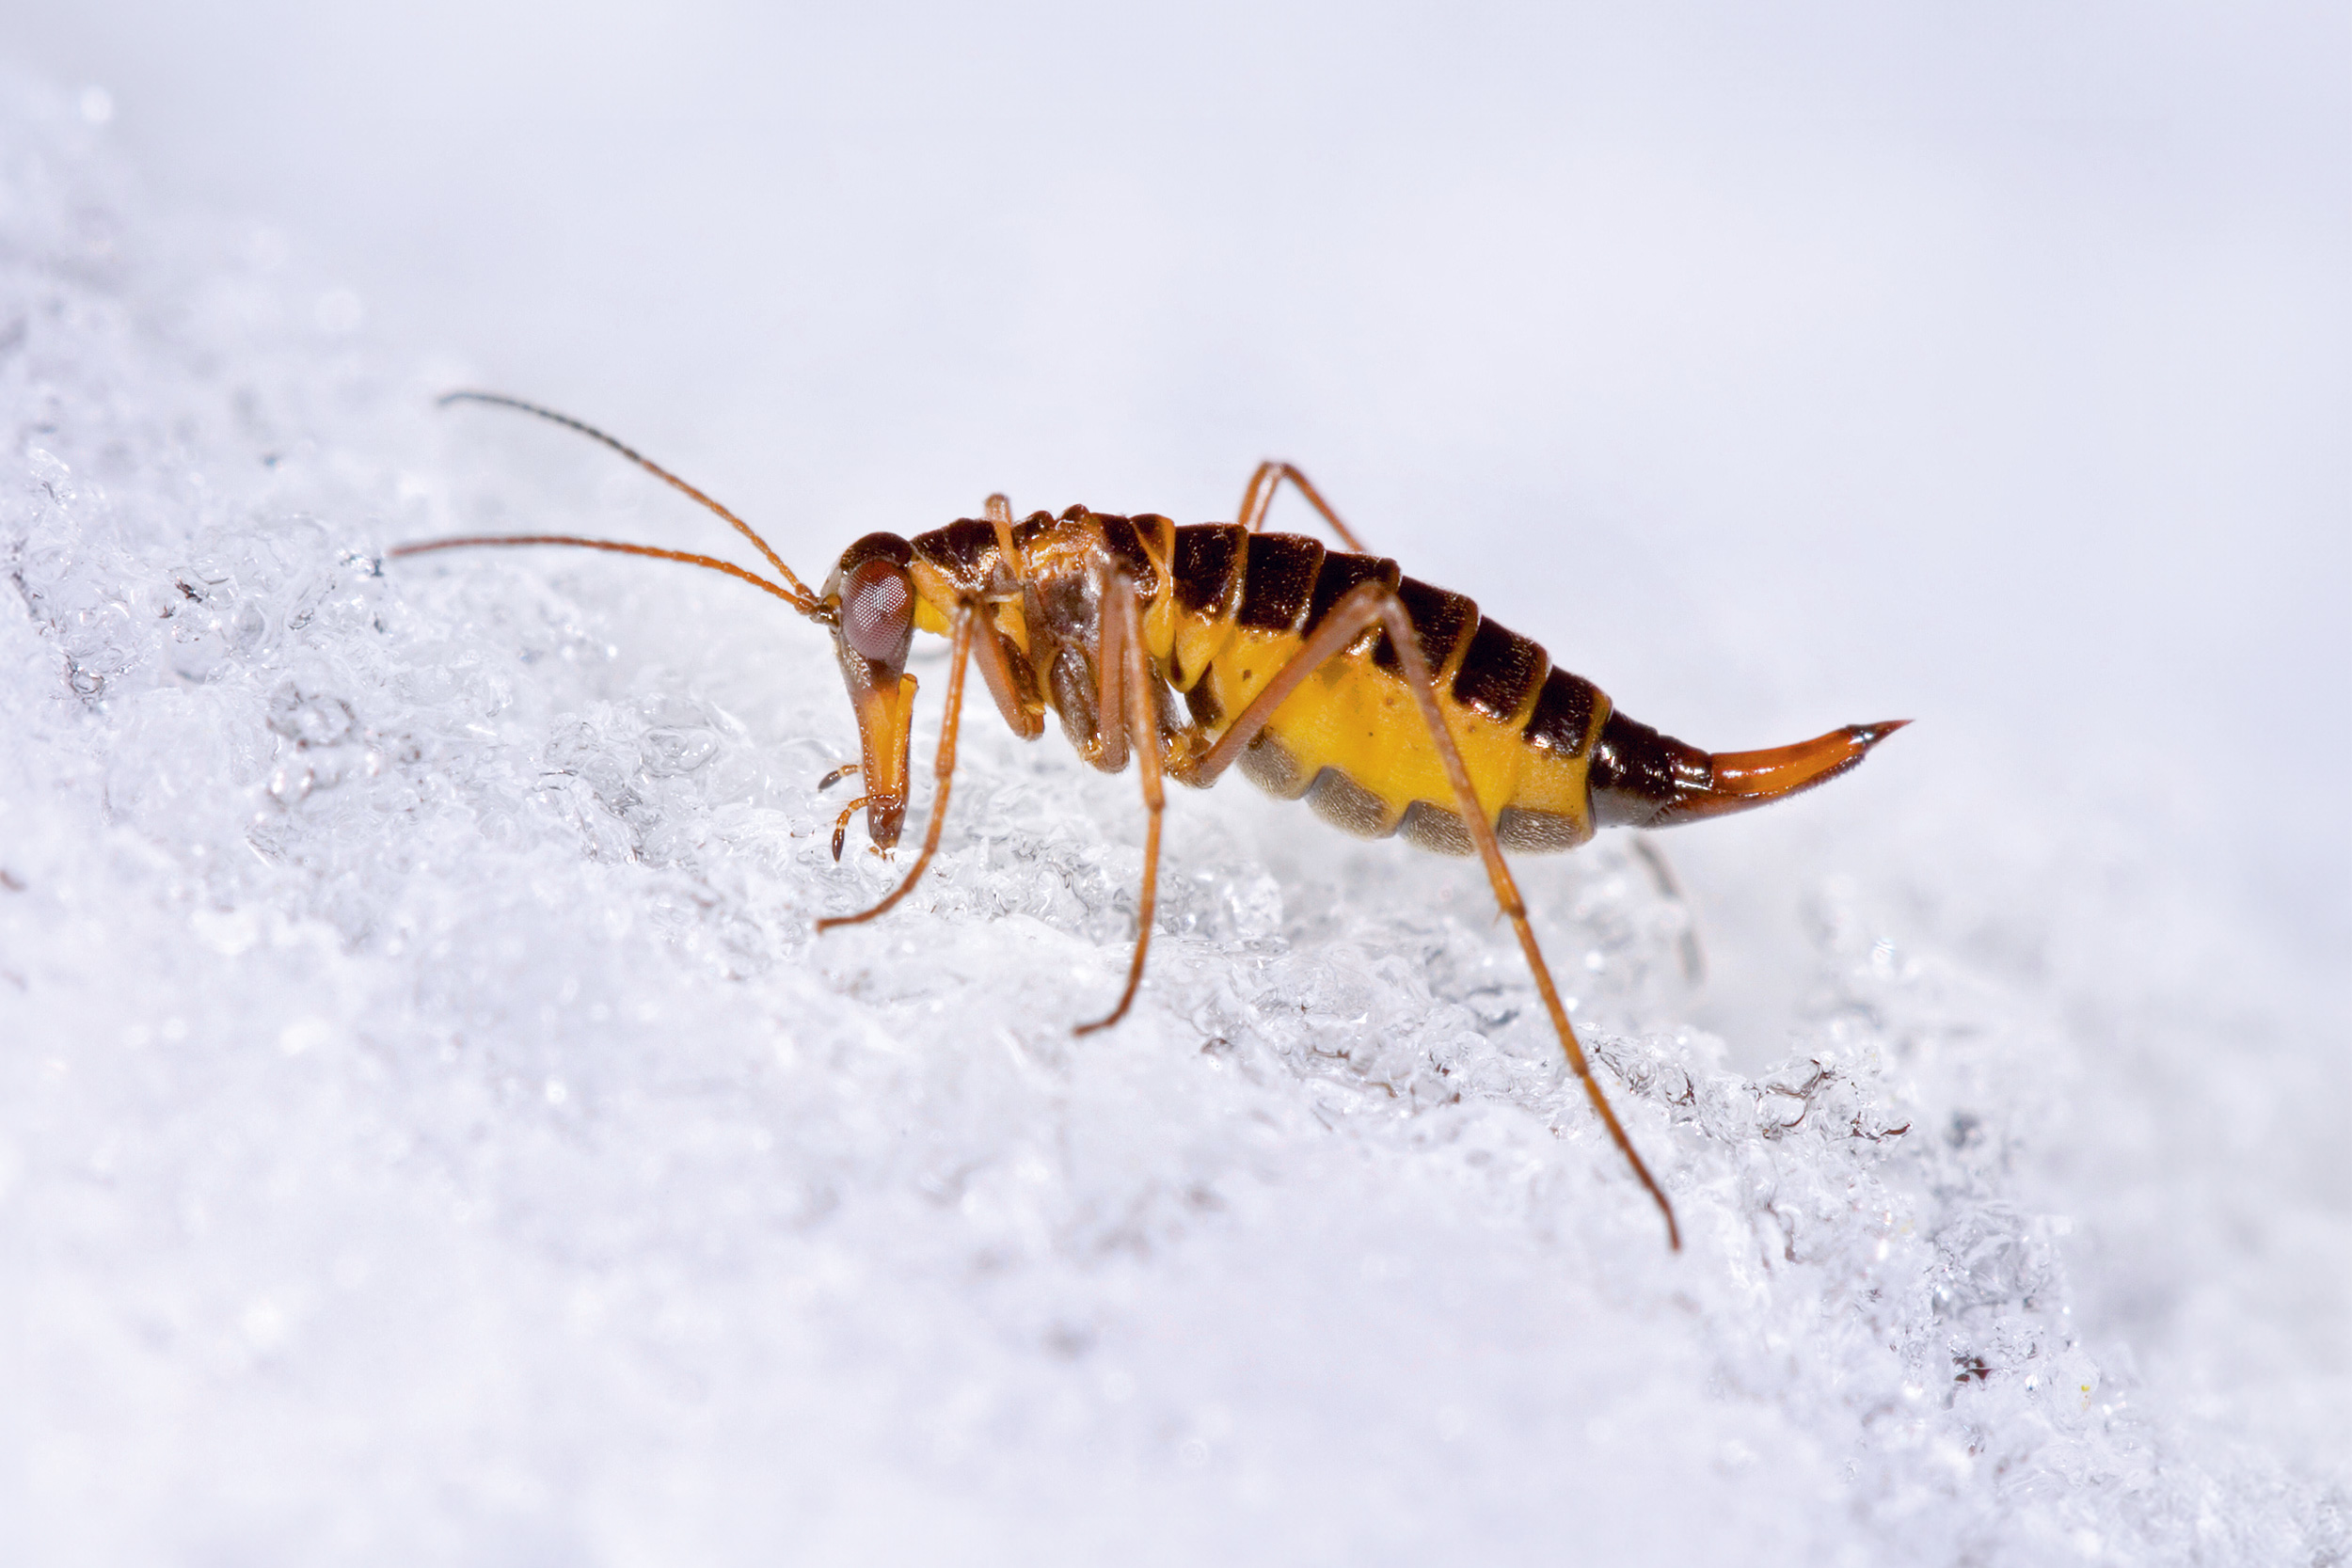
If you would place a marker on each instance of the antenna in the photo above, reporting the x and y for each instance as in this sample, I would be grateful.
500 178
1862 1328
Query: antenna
798 595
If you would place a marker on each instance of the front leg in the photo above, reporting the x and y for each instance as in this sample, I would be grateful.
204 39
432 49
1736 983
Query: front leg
944 769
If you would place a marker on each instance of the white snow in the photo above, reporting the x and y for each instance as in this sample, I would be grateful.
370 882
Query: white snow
431 1130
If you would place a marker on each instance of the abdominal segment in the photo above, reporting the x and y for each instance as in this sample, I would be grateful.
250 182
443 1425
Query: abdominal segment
1351 740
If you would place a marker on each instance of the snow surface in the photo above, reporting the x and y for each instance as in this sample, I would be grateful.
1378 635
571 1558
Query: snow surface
430 1129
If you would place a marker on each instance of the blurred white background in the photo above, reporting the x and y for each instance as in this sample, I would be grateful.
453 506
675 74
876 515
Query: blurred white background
1987 364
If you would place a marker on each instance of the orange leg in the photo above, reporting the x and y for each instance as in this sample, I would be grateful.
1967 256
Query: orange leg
1372 604
988 652
958 654
995 670
1259 498
1122 625
999 514
841 827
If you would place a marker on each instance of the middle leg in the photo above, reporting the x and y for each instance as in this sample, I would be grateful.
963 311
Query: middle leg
1140 720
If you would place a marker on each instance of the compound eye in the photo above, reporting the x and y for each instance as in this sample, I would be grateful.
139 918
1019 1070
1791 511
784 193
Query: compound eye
877 610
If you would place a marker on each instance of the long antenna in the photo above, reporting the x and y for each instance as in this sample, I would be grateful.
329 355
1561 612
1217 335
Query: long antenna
801 598
730 567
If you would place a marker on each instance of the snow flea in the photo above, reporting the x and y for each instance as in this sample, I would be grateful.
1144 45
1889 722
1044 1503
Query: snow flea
1388 706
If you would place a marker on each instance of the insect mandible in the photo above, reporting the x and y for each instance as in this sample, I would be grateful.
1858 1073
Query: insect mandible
1389 706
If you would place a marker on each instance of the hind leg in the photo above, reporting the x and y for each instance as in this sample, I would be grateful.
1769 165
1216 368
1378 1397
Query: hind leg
1362 608
1259 498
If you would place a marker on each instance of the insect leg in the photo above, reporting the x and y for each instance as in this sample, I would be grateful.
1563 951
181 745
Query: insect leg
1109 746
1400 630
988 652
1372 604
1141 723
1354 615
1259 498
958 654
999 513
841 827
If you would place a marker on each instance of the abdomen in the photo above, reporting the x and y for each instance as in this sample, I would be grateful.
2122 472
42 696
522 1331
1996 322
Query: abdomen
1351 740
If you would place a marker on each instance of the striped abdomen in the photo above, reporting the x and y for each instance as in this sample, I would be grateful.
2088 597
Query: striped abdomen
1351 740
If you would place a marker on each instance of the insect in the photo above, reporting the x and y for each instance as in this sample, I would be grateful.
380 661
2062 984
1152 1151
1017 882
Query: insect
1389 706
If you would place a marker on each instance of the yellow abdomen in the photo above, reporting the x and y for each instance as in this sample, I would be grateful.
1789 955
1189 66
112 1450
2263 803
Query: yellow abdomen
1351 740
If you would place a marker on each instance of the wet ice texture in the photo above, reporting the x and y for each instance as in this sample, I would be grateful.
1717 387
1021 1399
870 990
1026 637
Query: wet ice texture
431 1131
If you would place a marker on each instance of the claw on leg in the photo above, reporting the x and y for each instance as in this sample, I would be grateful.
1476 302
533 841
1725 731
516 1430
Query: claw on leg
841 827
942 771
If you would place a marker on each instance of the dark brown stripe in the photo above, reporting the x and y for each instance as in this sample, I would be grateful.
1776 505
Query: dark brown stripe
964 551
1278 576
1563 720
1208 556
1025 532
1500 672
1128 554
1157 533
1340 573
1637 773
1439 619
1202 704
